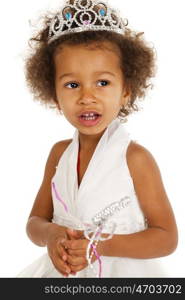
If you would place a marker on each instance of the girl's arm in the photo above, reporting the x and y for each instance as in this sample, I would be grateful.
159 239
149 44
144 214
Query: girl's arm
40 228
160 238
39 224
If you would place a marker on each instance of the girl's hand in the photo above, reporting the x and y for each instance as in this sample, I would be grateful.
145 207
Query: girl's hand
76 250
56 236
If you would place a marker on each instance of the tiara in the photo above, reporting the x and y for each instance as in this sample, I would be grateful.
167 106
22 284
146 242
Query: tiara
85 15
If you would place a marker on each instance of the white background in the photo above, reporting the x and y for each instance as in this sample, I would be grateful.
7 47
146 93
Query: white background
28 130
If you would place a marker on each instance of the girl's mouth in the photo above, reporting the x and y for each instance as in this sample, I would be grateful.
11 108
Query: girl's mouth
90 119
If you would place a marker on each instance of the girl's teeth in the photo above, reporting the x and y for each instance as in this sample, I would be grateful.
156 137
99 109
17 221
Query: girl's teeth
89 118
89 115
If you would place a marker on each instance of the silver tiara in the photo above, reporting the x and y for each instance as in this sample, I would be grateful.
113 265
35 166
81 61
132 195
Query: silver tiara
85 15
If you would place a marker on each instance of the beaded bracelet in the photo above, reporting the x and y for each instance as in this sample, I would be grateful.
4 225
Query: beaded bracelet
93 241
98 258
99 224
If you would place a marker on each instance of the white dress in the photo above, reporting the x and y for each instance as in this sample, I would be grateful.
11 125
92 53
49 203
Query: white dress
107 180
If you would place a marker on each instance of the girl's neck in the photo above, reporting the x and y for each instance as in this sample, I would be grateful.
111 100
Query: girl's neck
89 142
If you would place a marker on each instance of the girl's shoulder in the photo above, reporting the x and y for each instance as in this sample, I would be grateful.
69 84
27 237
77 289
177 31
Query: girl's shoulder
58 149
43 206
136 150
140 160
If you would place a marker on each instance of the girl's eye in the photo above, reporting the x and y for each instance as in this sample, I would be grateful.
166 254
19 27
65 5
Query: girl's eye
72 84
105 82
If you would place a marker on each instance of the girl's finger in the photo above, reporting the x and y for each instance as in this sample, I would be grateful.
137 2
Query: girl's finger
75 244
78 268
80 252
60 243
74 234
62 250
76 260
62 266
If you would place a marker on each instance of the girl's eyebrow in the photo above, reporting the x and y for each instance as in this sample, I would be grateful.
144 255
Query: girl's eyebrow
98 73
105 72
66 75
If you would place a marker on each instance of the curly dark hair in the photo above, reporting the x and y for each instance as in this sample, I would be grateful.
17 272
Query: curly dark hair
137 62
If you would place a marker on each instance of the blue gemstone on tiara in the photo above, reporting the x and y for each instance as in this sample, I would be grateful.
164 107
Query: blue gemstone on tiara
102 12
68 16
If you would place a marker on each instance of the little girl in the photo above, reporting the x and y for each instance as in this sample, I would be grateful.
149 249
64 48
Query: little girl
102 209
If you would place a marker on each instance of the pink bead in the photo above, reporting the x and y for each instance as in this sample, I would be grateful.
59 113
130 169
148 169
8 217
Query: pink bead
86 22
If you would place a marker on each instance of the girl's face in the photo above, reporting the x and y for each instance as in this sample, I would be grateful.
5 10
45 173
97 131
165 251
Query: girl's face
89 79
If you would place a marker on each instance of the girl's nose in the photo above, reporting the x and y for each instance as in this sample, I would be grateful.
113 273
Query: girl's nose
87 97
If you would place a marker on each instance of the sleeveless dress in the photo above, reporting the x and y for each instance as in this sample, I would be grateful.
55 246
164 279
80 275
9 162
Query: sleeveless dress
106 182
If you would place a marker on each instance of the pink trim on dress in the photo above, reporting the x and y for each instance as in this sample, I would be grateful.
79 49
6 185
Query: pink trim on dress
58 197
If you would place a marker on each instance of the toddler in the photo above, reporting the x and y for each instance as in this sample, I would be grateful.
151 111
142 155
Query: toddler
102 209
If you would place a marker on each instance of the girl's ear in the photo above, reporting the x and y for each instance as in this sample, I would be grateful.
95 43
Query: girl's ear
57 105
59 108
126 96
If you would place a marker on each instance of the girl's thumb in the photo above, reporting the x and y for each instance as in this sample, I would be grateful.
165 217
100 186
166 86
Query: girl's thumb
74 234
